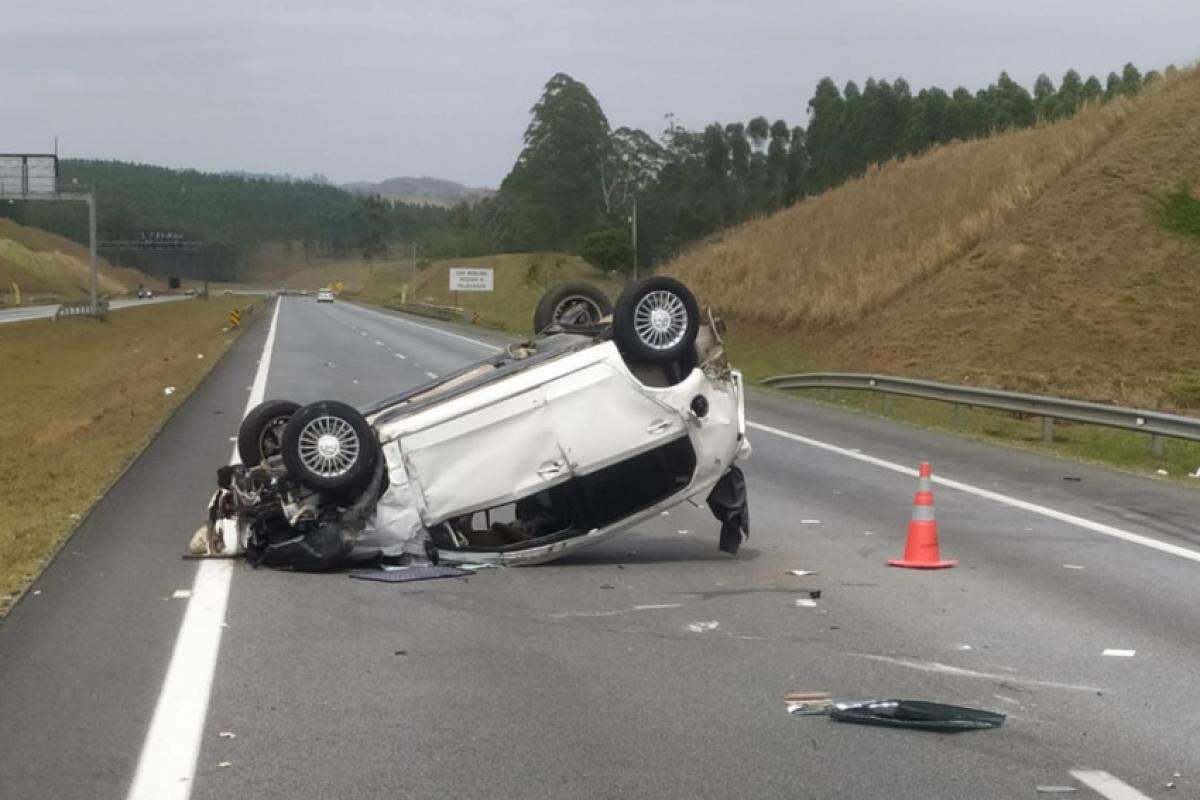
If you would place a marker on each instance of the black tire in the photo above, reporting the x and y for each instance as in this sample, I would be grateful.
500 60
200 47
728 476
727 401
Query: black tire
574 303
656 321
345 466
261 432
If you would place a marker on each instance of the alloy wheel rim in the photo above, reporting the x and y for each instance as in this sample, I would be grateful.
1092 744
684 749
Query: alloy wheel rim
576 310
328 446
660 320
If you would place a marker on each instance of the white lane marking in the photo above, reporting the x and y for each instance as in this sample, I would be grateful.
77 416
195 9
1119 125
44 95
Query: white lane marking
404 321
401 356
378 343
1116 651
945 669
1061 516
167 765
654 607
432 374
1107 785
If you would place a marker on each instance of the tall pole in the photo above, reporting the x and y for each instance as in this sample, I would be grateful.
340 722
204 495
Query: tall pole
414 264
633 224
91 204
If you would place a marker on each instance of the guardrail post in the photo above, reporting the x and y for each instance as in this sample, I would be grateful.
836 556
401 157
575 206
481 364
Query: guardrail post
1047 430
1156 445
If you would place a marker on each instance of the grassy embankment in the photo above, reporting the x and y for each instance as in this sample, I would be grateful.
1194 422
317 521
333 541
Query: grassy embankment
47 268
1054 260
81 398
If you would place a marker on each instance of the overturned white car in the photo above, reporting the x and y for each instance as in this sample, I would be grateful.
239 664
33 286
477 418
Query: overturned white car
604 419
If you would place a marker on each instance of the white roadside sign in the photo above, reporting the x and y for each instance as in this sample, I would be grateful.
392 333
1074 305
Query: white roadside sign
471 279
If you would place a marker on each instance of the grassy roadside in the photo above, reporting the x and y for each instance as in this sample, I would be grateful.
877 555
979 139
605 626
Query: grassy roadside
1124 450
81 399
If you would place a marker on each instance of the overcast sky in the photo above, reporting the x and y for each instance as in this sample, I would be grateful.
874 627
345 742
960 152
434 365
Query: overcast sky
364 90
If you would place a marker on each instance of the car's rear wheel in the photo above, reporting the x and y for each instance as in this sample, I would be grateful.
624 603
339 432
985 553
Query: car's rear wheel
260 435
656 321
574 303
329 447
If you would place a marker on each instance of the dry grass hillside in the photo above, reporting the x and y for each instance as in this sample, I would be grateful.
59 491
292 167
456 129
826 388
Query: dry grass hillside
1032 260
41 263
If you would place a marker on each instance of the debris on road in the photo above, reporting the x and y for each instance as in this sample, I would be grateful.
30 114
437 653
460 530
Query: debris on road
1114 651
1162 472
808 703
805 602
800 573
1072 566
1075 478
406 574
225 764
1056 789
227 735
917 714
168 391
701 627
181 594
810 522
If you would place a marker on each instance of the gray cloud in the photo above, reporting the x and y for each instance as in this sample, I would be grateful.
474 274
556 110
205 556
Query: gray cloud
366 90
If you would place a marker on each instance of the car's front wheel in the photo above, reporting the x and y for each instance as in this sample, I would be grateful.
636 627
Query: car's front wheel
329 447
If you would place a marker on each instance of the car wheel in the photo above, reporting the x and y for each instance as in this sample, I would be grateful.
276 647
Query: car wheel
328 446
573 303
261 433
656 320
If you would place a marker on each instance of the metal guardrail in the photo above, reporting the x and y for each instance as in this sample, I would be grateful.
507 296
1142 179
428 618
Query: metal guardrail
1155 423
452 313
86 309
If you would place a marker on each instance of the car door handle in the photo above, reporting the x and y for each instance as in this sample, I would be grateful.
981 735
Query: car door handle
658 426
551 469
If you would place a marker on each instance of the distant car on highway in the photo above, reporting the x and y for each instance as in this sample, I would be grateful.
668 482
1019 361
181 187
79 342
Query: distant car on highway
325 296
554 444
144 294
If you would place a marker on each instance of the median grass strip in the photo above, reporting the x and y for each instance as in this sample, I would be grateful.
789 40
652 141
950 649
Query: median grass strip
81 398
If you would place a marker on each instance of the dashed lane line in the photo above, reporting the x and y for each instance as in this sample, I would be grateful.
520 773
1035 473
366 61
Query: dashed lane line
1106 785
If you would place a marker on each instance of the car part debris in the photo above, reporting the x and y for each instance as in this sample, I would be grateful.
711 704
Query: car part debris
805 602
727 500
917 714
800 573
406 574
701 627
1057 789
808 703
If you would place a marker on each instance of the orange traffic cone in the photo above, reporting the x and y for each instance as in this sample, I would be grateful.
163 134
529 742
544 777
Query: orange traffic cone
921 549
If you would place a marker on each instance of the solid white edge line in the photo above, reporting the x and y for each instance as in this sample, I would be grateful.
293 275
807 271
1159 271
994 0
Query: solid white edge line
1061 516
167 765
1106 785
405 321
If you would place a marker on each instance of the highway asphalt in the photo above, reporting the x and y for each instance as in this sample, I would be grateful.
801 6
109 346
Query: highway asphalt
46 312
582 678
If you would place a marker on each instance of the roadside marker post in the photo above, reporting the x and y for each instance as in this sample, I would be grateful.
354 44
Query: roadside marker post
235 319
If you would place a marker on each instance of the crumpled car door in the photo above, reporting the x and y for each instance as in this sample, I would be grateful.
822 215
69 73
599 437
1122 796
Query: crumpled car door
601 416
486 457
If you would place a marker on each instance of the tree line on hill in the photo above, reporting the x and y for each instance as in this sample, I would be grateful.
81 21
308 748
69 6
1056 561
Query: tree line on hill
228 214
575 183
